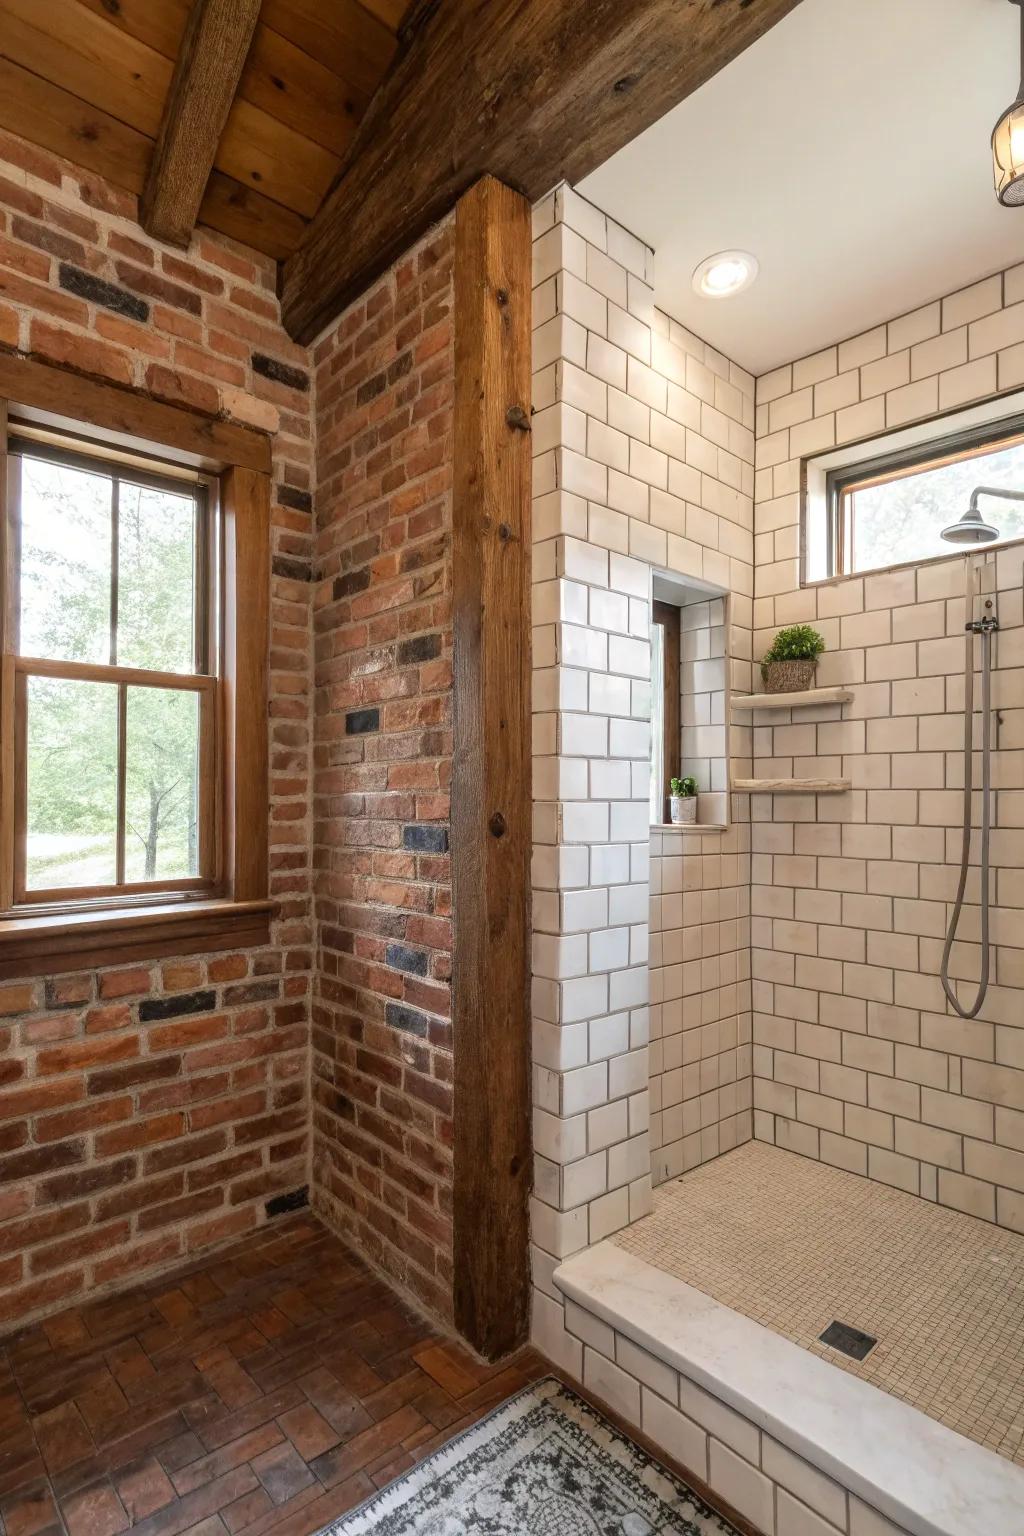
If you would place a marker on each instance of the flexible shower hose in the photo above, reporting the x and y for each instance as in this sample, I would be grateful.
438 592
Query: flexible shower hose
986 796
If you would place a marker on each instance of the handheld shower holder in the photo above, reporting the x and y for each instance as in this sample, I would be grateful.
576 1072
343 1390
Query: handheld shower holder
986 626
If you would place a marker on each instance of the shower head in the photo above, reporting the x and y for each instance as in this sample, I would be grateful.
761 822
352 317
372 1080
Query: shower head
972 527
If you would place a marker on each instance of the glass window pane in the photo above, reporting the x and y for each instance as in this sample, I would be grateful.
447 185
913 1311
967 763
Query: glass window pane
156 579
903 519
72 783
65 562
162 784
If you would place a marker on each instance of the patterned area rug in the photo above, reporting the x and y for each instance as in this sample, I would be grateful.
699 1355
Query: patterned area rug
543 1464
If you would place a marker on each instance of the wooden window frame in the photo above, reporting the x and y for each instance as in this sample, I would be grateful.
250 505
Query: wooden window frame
669 618
230 907
841 485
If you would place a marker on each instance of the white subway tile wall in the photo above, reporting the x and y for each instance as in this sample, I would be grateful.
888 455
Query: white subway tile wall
643 459
857 1059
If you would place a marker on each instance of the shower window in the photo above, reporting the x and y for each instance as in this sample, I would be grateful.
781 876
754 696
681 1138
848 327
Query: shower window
890 508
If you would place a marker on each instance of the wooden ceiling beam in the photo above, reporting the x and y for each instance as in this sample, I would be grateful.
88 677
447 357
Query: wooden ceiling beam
529 91
206 75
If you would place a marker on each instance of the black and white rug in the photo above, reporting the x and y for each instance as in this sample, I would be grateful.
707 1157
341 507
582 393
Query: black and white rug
543 1464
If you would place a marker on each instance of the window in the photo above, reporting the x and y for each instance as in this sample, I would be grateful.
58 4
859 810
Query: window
134 672
665 706
110 658
890 508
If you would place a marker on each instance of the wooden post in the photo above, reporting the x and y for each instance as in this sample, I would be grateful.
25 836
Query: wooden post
491 799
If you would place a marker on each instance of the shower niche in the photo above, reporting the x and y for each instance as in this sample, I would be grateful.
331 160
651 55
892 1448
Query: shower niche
690 700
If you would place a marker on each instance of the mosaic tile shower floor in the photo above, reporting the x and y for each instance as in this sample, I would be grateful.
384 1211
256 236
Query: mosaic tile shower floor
795 1244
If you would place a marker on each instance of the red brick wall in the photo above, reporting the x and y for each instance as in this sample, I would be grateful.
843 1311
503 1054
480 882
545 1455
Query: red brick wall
382 1061
147 1113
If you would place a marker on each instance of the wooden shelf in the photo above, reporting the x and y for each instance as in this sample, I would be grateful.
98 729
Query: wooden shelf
804 699
791 786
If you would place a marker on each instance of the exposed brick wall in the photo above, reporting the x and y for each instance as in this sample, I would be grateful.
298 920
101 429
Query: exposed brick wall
382 1061
147 1113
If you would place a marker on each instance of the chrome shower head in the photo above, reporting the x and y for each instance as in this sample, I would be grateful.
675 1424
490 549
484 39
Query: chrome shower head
970 529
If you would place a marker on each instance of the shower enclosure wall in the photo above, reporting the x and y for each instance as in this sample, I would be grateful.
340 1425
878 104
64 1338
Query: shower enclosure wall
644 461
644 443
858 1059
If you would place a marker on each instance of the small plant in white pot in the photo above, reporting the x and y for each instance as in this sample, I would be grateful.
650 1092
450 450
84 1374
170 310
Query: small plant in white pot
682 802
788 665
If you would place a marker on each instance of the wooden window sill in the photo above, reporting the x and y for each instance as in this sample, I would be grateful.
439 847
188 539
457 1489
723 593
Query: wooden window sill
33 945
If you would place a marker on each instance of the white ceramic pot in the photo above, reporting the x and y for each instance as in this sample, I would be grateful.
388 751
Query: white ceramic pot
682 808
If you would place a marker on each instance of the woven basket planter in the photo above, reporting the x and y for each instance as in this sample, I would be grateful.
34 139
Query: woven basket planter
788 676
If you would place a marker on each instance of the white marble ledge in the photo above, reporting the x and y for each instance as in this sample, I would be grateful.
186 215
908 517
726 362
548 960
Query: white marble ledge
687 828
917 1472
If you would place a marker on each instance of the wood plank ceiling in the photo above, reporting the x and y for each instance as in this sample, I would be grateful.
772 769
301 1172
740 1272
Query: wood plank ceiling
88 79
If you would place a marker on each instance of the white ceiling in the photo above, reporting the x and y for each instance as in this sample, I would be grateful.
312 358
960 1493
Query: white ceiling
848 149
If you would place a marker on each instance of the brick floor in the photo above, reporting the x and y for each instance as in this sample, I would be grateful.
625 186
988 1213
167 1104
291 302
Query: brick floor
269 1388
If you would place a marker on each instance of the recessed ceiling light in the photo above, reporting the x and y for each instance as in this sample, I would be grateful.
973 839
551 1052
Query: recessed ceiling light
725 273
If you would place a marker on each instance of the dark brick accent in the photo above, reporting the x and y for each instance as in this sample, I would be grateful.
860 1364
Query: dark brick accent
360 721
371 388
93 289
293 1201
173 1007
351 582
292 570
281 373
301 501
425 839
402 958
410 1020
423 648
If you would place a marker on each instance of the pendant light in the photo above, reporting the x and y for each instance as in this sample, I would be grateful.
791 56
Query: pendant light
1008 141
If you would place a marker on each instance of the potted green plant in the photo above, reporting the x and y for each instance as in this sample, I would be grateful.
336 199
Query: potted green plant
788 664
682 802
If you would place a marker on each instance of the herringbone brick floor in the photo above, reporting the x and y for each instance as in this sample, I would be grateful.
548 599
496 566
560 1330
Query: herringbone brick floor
269 1388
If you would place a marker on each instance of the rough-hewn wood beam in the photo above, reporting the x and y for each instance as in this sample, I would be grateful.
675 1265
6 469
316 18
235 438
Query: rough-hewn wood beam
491 806
529 91
206 74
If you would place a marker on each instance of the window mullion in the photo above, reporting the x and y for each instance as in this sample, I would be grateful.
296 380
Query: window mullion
122 744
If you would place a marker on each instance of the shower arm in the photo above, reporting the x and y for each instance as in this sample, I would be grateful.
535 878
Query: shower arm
993 490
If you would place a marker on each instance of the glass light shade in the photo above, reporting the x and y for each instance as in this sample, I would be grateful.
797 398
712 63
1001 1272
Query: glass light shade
1008 155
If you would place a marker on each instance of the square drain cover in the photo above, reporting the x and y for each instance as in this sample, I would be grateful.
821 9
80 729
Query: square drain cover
851 1341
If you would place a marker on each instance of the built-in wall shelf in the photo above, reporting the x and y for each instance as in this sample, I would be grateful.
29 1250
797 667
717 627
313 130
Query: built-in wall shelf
688 828
791 786
803 699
